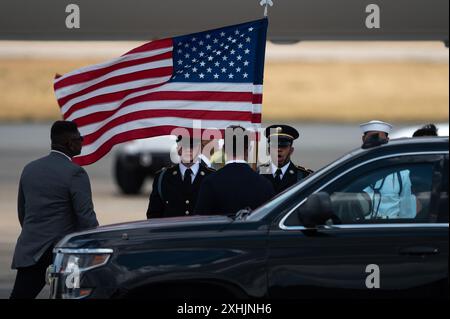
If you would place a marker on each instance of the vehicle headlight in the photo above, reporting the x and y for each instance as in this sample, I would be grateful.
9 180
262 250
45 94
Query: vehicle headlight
82 262
70 264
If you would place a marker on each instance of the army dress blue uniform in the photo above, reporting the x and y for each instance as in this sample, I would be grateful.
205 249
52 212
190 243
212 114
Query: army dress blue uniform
175 190
282 137
290 174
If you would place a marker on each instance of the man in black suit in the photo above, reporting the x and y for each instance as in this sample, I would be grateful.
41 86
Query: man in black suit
54 200
175 188
280 171
236 186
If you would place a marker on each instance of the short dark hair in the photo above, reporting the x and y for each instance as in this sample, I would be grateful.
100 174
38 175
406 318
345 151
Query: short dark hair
240 141
426 130
61 129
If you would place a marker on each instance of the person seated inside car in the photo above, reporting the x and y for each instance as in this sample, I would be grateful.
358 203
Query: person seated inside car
380 195
391 197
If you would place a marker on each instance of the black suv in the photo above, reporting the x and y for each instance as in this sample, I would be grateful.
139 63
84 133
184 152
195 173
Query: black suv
326 236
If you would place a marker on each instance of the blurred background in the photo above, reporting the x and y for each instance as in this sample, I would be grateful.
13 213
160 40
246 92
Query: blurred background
324 89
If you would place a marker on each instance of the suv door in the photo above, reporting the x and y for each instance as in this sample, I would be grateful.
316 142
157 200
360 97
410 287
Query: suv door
405 253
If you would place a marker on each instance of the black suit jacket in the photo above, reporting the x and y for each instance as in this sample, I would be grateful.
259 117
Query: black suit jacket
169 198
236 186
293 175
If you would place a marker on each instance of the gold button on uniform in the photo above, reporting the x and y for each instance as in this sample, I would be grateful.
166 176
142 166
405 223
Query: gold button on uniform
187 212
187 201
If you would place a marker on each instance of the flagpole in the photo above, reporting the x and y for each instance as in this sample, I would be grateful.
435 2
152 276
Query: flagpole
266 4
255 151
255 165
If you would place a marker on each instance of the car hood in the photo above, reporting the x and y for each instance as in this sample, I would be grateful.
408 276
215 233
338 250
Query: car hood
159 224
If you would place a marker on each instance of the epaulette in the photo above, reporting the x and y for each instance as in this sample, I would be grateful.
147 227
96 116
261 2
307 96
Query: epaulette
210 169
306 170
206 167
264 168
165 168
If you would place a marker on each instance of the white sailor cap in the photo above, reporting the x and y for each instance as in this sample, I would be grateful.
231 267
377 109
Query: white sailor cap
378 126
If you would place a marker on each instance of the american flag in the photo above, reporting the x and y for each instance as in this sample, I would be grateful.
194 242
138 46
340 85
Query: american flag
215 76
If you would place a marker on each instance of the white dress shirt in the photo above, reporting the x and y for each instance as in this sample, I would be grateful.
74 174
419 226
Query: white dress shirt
283 169
194 168
389 202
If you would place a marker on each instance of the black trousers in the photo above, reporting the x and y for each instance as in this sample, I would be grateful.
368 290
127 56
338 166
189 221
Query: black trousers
30 280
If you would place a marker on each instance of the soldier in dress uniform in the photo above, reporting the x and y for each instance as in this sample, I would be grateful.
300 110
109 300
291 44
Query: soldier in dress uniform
175 188
280 170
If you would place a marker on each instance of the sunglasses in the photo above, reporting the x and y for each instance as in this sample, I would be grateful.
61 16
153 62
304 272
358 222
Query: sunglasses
78 139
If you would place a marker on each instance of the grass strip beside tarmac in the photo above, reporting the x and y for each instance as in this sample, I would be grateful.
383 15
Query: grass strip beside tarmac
293 91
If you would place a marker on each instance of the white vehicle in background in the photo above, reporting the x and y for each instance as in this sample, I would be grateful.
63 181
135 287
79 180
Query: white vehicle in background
139 159
442 130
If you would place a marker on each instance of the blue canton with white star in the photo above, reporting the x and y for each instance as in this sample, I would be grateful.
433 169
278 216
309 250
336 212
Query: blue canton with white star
232 54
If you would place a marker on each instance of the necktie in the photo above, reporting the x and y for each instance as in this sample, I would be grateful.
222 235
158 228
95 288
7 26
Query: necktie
278 175
187 178
277 180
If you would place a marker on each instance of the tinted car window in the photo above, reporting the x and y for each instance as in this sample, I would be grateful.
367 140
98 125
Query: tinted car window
352 193
381 194
399 193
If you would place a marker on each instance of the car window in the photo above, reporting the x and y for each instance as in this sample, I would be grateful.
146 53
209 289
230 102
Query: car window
400 193
443 208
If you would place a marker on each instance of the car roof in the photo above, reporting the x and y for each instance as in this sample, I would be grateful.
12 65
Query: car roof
437 141
403 145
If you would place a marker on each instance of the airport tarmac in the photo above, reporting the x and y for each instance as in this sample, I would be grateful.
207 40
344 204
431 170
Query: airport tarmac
319 144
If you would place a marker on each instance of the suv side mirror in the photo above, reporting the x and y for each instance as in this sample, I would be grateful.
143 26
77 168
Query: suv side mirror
316 210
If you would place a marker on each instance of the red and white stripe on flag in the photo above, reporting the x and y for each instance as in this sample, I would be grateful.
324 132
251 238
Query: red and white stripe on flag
146 92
